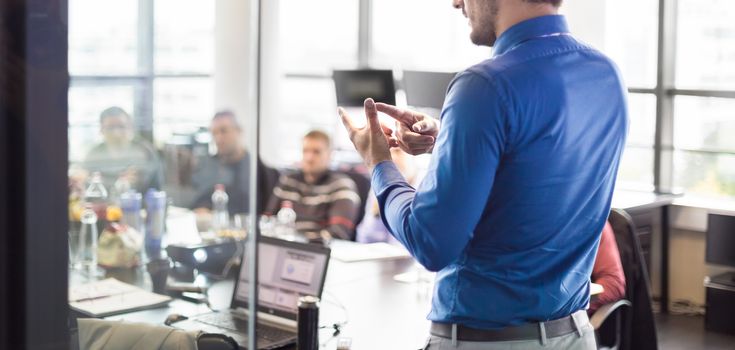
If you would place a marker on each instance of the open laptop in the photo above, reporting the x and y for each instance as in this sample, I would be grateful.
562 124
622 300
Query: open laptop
286 271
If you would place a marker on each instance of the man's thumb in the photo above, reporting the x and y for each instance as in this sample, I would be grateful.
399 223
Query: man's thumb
424 127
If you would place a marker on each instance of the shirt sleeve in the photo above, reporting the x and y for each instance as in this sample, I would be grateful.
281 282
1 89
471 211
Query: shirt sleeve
436 221
608 270
343 212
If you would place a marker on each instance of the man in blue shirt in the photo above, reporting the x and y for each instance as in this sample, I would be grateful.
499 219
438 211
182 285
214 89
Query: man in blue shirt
519 185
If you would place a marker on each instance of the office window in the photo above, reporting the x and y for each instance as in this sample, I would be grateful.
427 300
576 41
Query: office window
642 114
709 174
318 36
103 37
704 107
704 160
184 36
636 168
631 39
181 105
422 35
167 89
705 57
314 38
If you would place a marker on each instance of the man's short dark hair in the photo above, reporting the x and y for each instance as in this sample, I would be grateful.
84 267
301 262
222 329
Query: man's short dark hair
113 111
227 114
556 3
319 135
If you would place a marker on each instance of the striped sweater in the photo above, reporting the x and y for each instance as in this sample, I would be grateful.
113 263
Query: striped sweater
330 204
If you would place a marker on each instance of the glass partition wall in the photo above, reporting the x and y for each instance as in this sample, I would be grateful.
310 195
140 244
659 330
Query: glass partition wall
163 148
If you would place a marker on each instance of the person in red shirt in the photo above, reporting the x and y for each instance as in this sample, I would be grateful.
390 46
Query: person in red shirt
608 271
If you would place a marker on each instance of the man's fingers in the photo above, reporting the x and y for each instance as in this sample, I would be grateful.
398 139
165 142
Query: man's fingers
386 129
418 140
372 116
395 113
426 126
347 121
412 138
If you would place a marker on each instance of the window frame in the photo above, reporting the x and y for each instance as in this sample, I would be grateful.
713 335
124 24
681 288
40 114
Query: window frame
142 82
665 92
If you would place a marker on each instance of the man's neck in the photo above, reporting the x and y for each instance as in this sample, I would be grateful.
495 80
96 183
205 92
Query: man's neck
514 12
312 178
233 157
118 146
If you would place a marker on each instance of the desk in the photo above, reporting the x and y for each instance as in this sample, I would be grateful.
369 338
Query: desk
642 207
382 313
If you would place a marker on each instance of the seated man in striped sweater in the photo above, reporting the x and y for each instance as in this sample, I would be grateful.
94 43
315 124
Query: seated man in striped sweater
326 202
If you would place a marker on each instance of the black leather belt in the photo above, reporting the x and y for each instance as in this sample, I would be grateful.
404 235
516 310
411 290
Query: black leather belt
529 331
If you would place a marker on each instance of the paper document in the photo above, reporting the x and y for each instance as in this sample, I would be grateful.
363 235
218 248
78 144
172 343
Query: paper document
110 296
350 251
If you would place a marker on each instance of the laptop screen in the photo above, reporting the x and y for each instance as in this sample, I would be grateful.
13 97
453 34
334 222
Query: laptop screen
286 272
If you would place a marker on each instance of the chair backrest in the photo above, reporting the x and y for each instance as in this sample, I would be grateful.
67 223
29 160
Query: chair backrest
267 180
362 181
638 326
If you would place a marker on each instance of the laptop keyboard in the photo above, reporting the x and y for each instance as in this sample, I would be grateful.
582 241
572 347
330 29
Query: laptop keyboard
227 321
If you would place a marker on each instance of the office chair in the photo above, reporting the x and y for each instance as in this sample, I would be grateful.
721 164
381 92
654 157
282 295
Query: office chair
362 181
632 324
607 322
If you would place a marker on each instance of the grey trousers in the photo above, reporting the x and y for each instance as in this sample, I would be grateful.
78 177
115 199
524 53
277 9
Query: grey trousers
584 339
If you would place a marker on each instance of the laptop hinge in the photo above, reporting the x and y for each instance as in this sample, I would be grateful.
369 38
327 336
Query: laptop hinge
269 319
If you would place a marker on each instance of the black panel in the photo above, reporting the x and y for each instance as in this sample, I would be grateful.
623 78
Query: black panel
720 314
354 86
33 164
720 240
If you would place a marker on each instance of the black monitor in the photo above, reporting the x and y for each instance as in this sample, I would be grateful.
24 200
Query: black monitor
426 89
354 86
721 240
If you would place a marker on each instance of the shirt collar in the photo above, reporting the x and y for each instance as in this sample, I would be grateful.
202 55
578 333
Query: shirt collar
529 29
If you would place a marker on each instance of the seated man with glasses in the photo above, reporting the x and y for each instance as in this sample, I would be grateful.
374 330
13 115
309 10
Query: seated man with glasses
124 160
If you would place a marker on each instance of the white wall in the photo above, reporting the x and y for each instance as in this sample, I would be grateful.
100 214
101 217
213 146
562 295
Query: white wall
231 61
586 19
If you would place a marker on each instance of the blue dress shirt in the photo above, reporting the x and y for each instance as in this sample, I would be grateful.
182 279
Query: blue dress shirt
520 182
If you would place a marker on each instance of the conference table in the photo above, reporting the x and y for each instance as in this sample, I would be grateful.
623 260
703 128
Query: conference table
374 309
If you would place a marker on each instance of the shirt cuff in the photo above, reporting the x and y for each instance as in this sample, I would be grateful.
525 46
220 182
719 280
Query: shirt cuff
386 175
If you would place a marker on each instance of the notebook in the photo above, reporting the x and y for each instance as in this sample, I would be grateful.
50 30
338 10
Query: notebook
110 297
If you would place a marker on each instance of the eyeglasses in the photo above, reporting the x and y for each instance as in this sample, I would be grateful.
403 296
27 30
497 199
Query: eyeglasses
116 127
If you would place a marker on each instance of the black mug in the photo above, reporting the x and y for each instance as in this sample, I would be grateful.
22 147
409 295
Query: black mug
158 270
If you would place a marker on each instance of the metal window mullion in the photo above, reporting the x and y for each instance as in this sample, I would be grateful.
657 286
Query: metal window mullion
253 119
143 97
702 93
666 67
365 33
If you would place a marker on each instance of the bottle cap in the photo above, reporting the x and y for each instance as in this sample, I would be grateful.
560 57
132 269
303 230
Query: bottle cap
308 301
286 204
219 187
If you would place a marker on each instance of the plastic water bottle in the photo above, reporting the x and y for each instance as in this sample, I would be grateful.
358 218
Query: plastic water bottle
85 258
155 222
96 195
220 213
286 228
131 203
